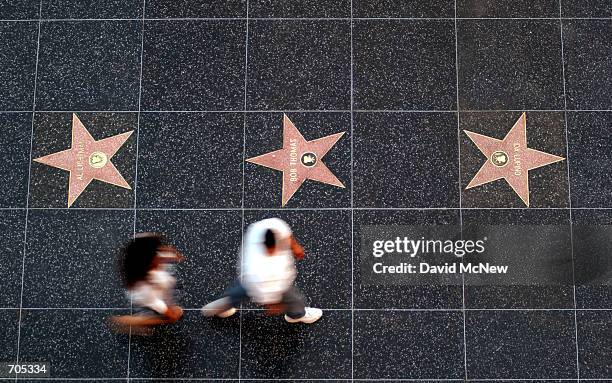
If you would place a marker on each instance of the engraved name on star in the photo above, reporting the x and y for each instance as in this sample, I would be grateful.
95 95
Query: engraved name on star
299 160
509 159
88 159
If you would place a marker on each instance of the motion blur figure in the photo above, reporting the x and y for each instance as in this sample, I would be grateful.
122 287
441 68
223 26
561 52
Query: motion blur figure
146 268
267 273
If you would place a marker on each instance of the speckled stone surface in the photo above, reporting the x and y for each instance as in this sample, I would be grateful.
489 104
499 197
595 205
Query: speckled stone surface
300 8
77 343
88 65
19 9
509 64
190 160
194 347
590 148
587 52
273 348
71 258
299 65
324 275
193 65
396 156
9 320
595 345
408 65
593 266
521 344
17 64
217 77
15 129
548 185
12 227
550 287
92 9
403 8
263 186
370 296
508 8
195 8
52 133
586 8
417 345
210 243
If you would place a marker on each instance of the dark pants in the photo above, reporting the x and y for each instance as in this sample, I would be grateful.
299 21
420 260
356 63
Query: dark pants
292 300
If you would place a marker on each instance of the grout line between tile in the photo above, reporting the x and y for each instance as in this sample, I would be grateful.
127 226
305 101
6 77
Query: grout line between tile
569 192
450 309
25 232
142 32
301 19
244 128
465 369
352 205
304 208
318 111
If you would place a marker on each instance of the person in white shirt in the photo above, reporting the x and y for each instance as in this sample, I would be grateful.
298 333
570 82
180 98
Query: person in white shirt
267 273
145 265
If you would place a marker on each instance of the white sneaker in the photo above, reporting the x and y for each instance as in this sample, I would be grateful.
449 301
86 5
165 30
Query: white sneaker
227 313
312 315
220 307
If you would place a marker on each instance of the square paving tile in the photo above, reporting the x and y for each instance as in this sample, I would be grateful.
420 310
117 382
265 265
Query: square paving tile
404 64
403 8
592 233
408 345
9 320
53 132
300 8
194 65
391 295
299 65
17 63
587 53
76 343
508 8
89 65
71 258
210 243
324 275
15 132
20 9
12 228
536 247
502 344
92 9
509 64
195 8
586 8
595 344
405 160
194 347
548 185
190 160
264 186
275 349
590 146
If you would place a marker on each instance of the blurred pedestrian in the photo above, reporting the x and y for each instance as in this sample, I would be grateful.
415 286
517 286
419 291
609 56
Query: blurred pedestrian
146 268
267 274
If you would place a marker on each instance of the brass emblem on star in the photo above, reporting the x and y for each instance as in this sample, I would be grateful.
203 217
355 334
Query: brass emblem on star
509 159
499 158
97 160
87 160
299 160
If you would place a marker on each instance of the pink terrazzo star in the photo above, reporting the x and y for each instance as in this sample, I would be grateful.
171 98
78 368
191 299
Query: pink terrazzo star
87 159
